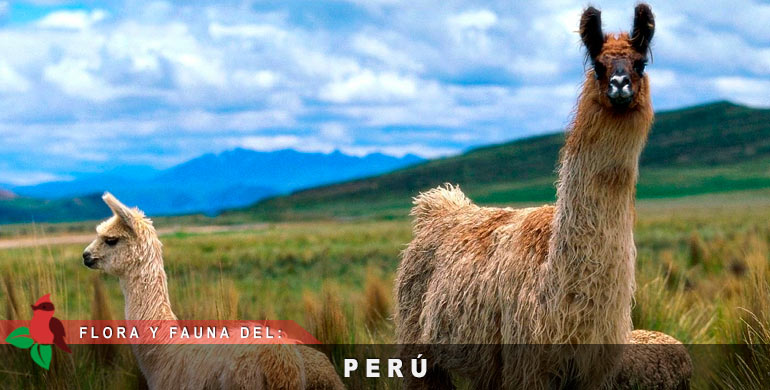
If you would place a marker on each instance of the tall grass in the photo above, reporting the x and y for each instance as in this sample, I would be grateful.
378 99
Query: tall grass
702 276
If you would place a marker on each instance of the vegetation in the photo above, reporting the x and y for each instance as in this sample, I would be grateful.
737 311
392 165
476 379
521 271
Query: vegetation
704 149
702 276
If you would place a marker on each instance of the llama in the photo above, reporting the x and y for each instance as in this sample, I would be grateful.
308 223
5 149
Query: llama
128 247
549 276
655 361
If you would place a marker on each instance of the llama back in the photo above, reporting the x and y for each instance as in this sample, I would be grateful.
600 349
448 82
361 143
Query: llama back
455 260
438 202
434 213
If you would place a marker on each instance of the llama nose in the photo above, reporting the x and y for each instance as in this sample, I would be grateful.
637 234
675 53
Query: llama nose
620 81
88 260
620 91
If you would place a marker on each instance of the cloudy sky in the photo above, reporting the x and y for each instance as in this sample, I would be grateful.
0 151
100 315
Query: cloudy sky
91 86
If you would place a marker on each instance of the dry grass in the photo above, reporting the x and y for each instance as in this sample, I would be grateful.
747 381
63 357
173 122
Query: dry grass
377 303
325 317
702 276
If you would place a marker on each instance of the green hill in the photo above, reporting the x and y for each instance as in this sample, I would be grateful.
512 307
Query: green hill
717 147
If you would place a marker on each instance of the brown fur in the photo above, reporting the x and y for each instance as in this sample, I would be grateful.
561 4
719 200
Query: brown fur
656 361
128 247
536 229
560 274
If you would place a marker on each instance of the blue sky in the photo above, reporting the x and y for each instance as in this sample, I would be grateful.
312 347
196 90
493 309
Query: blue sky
92 86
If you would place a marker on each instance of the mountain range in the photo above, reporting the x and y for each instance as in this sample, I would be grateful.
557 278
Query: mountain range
710 148
209 183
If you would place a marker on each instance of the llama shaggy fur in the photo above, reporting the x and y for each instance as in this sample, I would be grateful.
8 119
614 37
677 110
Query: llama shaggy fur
550 275
128 247
654 361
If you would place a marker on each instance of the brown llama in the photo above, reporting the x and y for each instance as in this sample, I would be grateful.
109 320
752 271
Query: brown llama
128 247
549 277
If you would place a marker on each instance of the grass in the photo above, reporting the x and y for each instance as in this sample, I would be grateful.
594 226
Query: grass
702 277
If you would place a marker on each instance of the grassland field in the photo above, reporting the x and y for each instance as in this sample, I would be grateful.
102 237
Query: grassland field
702 277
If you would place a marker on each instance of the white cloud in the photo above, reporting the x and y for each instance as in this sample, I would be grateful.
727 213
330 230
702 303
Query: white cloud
195 69
478 19
170 80
269 143
401 150
75 77
373 47
335 132
752 91
11 80
241 121
369 86
23 178
72 20
248 31
470 31
264 79
661 78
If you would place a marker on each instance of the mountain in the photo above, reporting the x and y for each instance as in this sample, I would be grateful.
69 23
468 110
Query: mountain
208 183
715 147
281 171
7 195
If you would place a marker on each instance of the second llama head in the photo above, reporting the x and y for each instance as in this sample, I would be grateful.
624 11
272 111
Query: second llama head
126 244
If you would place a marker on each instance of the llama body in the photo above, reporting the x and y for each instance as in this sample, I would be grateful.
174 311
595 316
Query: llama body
128 247
654 361
547 275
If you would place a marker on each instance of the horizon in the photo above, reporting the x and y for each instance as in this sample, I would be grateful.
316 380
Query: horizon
96 86
148 172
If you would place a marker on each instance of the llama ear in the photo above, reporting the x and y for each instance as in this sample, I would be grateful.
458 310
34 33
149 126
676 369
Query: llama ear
119 209
644 28
591 31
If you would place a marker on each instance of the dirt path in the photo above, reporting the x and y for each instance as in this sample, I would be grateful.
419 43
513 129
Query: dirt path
82 238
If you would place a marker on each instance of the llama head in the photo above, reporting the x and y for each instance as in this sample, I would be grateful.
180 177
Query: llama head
619 60
126 243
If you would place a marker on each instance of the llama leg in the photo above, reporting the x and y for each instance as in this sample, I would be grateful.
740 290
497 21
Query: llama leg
522 367
436 377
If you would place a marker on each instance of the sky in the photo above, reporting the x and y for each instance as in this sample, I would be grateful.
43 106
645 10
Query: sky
94 86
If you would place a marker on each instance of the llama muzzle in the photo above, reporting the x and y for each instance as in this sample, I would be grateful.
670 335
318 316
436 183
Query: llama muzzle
88 260
619 91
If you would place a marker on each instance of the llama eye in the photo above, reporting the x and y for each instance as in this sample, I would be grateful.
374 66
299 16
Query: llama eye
639 66
599 70
111 241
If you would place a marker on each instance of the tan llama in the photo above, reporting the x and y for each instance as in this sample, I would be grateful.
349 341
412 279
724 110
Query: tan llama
654 360
544 276
128 247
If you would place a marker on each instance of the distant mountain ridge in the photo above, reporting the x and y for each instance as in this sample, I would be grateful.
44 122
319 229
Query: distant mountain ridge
213 182
5 194
715 147
710 148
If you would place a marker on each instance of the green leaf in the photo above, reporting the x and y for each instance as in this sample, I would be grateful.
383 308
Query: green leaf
18 338
45 354
22 330
41 355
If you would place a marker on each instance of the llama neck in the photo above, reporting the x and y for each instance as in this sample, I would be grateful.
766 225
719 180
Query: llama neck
146 291
592 253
